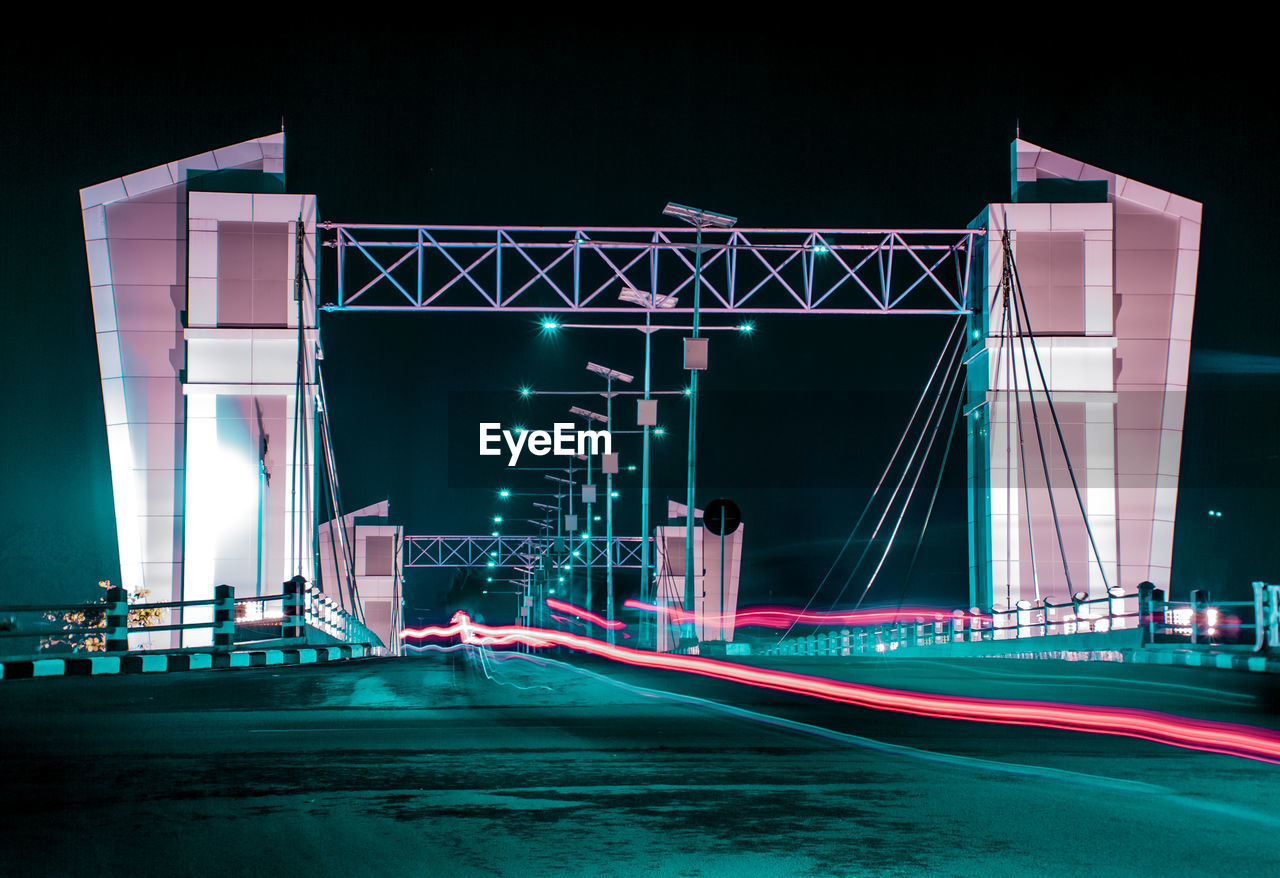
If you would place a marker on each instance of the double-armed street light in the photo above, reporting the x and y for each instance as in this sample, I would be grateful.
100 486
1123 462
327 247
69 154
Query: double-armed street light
695 360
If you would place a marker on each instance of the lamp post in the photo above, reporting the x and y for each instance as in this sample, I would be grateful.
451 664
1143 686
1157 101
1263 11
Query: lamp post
588 492
699 219
646 414
561 485
609 465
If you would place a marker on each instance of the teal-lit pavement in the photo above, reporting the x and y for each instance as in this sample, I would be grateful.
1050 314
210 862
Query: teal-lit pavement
441 766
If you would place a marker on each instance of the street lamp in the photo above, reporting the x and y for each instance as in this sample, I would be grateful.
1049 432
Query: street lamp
588 489
699 219
609 464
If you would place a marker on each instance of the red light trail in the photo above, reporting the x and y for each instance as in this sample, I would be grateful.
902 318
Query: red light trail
784 617
589 616
1212 737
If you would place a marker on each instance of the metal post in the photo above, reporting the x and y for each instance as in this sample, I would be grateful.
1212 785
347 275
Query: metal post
586 547
293 606
117 620
558 545
568 561
608 512
1266 616
689 632
1199 630
224 616
1146 612
721 605
648 628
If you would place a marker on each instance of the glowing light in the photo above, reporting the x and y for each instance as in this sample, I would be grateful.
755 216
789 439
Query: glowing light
747 328
525 390
688 391
493 533
504 493
594 619
631 467
549 324
821 248
785 617
1232 739
497 519
659 431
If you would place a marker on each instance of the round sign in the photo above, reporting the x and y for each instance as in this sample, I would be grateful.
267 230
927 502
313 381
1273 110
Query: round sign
722 517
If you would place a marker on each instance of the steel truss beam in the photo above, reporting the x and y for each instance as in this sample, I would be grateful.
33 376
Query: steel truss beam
522 551
744 271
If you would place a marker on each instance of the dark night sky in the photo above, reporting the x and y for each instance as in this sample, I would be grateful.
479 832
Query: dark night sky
594 129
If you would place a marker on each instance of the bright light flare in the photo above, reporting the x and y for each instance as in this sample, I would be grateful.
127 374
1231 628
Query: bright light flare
1230 739
608 624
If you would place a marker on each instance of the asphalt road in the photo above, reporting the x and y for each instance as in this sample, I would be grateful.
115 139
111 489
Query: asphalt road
442 766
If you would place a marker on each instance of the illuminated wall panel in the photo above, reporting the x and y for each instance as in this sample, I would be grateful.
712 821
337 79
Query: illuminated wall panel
377 546
136 244
1107 266
255 501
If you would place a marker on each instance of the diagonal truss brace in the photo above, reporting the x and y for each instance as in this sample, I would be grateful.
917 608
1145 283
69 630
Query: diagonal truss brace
512 551
558 269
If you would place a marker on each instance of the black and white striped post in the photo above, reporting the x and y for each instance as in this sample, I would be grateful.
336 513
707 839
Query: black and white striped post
117 620
224 616
294 596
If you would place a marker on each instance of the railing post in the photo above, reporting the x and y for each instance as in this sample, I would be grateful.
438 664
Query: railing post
1199 601
294 592
1147 611
1266 616
117 620
224 616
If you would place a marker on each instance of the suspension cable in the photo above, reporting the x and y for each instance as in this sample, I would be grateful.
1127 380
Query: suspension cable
928 515
910 493
1022 457
1018 316
906 469
1017 286
924 392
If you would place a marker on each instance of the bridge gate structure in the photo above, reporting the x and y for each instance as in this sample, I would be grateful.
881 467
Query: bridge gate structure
203 276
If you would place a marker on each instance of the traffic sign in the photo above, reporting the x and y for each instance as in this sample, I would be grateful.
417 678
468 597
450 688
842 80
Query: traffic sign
722 517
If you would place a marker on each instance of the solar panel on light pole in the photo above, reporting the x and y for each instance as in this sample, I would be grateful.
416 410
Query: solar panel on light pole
700 219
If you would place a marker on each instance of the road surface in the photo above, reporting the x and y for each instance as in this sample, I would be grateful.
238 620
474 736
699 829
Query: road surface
439 765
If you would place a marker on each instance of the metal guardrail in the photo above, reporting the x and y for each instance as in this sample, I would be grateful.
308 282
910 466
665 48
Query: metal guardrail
302 609
1194 623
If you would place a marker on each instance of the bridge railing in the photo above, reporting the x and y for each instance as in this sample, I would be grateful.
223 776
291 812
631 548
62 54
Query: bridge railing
299 613
1194 623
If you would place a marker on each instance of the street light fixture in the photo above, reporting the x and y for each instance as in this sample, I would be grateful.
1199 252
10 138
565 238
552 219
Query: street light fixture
700 219
648 300
588 490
